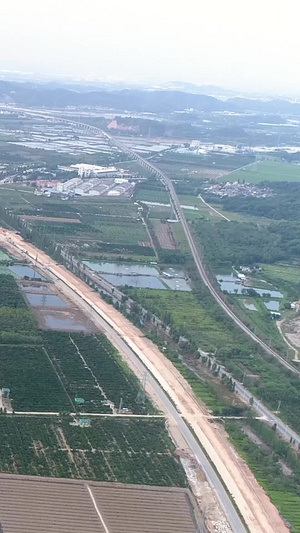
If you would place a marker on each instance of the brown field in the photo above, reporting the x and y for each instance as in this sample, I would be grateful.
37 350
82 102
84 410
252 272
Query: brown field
210 173
164 234
52 219
33 504
145 244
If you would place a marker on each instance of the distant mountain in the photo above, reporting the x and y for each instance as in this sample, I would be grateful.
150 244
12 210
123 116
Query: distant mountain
30 94
212 90
265 106
54 95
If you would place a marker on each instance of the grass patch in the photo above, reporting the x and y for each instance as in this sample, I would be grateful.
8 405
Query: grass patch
266 171
264 463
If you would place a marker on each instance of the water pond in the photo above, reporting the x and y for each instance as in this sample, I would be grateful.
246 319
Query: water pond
272 305
177 284
231 284
142 276
145 282
123 268
22 271
62 323
45 300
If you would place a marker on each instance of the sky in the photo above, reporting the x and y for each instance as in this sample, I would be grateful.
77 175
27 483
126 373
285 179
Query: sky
248 45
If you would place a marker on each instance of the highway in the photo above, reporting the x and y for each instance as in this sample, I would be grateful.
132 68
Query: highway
230 511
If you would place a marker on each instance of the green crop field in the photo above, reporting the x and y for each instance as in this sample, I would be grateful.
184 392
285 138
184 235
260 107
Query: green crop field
152 195
46 377
90 368
123 450
67 366
281 271
266 171
203 390
187 315
121 232
17 323
33 383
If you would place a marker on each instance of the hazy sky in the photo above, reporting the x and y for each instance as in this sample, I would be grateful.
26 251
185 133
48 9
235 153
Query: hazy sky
235 43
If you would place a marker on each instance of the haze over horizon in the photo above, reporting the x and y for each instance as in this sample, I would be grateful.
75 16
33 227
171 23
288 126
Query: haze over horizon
248 46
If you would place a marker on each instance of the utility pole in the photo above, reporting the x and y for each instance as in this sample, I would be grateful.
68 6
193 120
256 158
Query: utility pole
269 342
121 404
141 395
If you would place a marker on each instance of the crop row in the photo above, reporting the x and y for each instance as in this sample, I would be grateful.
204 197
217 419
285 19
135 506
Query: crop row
33 383
83 361
107 451
78 380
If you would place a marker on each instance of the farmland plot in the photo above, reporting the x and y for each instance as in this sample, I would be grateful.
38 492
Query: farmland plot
164 234
91 368
124 450
34 386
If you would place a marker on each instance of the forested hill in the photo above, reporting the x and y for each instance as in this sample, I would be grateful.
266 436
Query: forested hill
33 94
137 100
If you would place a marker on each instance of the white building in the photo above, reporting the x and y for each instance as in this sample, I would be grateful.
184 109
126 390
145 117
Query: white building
87 171
69 185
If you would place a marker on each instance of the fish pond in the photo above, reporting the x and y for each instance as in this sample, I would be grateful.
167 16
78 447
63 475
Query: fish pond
140 276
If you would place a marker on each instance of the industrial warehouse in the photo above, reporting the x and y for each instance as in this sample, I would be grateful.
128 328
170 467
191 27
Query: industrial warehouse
92 180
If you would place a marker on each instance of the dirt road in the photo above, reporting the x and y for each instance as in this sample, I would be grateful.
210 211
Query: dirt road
258 512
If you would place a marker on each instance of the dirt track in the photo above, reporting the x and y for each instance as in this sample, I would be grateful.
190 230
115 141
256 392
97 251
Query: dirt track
258 512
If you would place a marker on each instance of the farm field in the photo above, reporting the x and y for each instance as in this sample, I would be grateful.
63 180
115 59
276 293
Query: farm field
266 171
124 450
202 323
164 234
152 195
68 366
127 508
17 323
123 232
281 272
186 315
90 368
205 390
47 370
73 372
34 386
101 227
186 164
